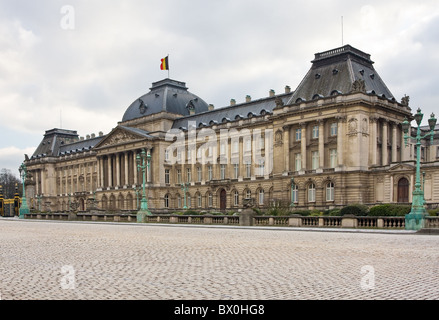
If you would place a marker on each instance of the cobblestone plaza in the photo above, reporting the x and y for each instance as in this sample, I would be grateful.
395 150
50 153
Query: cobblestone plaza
77 260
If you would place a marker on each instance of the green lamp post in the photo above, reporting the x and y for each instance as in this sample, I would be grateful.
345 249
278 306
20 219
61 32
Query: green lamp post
143 163
415 220
184 188
24 209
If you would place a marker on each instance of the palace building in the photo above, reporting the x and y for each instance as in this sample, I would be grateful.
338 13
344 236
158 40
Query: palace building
334 140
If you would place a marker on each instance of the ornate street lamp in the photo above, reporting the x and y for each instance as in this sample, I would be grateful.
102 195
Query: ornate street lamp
143 163
24 209
415 220
184 188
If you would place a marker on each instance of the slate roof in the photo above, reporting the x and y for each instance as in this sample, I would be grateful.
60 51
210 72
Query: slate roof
165 95
61 141
232 113
334 72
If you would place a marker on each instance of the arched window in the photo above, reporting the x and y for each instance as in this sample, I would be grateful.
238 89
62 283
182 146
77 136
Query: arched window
209 200
235 198
199 200
330 191
312 193
166 201
294 193
261 197
247 194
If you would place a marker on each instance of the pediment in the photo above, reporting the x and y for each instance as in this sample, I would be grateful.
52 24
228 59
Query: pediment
402 167
122 135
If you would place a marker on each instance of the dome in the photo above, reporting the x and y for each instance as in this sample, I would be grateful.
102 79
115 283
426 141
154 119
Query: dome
166 95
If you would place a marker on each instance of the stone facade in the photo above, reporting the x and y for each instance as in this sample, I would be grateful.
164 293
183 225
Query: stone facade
335 140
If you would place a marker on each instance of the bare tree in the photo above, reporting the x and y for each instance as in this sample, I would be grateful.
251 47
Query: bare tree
8 181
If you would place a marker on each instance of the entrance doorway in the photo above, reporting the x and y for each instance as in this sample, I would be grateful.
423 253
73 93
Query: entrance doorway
403 190
223 200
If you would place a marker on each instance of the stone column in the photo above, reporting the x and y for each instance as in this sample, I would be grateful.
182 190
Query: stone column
303 145
110 171
340 139
321 143
384 153
148 168
117 155
373 140
287 147
135 167
394 142
125 159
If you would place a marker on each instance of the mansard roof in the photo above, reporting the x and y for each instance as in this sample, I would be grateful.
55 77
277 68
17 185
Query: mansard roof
233 113
57 142
340 71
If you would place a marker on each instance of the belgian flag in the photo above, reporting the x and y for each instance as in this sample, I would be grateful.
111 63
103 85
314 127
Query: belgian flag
165 64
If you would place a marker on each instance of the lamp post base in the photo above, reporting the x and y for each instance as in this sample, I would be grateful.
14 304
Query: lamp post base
141 214
23 212
414 221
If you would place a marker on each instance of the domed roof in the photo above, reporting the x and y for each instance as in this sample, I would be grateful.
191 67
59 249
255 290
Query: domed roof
166 95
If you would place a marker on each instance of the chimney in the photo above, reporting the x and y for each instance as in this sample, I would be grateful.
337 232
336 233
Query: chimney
93 135
272 93
248 98
210 107
101 133
232 102
87 137
287 89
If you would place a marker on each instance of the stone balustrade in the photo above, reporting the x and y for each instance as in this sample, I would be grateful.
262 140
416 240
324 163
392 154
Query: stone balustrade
284 221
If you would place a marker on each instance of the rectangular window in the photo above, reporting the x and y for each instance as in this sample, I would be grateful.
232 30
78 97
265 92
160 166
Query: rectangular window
315 160
189 174
178 176
261 167
235 171
333 158
166 155
315 132
209 173
248 145
298 161
235 146
248 169
333 129
199 174
167 176
298 134
223 171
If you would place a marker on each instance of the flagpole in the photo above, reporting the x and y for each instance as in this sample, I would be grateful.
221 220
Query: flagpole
168 68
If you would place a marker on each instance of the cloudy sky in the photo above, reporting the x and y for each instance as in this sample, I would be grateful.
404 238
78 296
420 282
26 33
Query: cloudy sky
79 64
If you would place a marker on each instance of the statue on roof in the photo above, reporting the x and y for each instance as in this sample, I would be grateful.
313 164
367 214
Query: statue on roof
405 100
358 86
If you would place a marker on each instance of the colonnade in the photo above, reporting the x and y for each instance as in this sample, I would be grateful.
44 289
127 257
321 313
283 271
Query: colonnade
118 170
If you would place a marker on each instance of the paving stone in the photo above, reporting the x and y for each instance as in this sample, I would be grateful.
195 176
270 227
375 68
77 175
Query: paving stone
132 261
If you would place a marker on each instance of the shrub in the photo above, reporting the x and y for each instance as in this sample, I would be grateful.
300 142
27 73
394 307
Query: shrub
332 212
302 212
354 209
190 213
388 209
433 212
